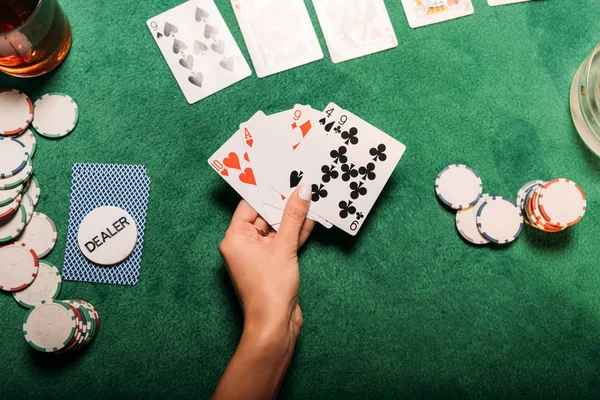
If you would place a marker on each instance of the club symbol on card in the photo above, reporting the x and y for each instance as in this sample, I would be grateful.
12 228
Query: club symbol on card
378 153
349 171
319 192
201 14
196 79
227 64
248 177
339 155
187 62
337 129
349 136
346 209
178 46
329 173
218 47
232 161
199 47
368 172
357 189
359 216
296 178
210 31
170 29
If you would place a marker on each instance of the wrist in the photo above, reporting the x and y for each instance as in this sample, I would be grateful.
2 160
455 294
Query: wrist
271 337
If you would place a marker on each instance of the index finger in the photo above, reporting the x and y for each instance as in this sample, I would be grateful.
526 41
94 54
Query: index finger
244 214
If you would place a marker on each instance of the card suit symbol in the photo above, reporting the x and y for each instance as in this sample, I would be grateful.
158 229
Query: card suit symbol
349 136
304 128
337 129
210 31
199 47
178 46
218 47
346 209
319 192
248 177
227 64
359 216
224 172
159 35
246 157
357 189
368 172
378 153
196 79
339 155
232 161
329 173
296 178
323 121
349 171
170 29
282 197
250 142
187 62
329 126
201 14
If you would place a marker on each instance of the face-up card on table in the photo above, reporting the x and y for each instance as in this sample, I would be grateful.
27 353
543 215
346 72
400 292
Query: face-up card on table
278 33
199 49
426 12
355 28
504 2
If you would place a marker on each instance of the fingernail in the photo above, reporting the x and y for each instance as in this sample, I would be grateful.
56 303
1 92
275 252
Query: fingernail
305 192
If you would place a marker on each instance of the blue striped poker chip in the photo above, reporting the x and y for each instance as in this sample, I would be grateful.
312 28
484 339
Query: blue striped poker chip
500 220
13 157
458 186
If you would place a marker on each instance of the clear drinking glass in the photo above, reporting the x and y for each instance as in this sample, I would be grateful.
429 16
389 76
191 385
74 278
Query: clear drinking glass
585 101
35 37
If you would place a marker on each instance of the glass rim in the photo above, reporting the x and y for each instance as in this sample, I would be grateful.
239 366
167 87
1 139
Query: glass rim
26 22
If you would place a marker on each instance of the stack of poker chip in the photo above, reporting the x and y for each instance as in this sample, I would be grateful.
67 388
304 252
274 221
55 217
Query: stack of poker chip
552 206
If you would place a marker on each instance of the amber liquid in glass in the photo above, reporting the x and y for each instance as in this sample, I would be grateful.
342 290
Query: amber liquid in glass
35 37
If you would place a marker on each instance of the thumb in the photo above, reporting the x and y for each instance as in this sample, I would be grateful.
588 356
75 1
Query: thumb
294 215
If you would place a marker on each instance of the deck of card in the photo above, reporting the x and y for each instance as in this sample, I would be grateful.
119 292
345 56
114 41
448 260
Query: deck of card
344 159
426 12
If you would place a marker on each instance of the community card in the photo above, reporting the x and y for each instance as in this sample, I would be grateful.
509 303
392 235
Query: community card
503 2
426 12
199 49
278 33
355 28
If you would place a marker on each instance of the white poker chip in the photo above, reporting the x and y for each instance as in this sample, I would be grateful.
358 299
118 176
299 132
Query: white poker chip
562 202
16 112
29 140
19 179
40 234
107 235
11 228
466 223
13 157
499 220
18 267
56 115
9 195
27 202
50 327
521 194
458 186
9 209
33 190
44 288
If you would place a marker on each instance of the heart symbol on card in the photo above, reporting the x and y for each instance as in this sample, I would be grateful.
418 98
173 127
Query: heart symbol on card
224 172
199 47
248 177
250 142
246 157
218 47
201 14
170 29
232 161
210 31
178 46
196 79
187 62
227 64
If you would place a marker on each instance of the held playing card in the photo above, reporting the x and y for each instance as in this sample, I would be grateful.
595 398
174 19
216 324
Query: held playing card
355 28
199 49
426 12
278 33
504 2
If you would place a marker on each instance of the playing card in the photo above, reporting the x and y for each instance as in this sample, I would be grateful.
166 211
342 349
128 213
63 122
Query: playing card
503 2
355 28
426 12
199 49
232 163
278 33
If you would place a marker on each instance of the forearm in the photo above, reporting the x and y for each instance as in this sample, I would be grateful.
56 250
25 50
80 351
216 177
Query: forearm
258 366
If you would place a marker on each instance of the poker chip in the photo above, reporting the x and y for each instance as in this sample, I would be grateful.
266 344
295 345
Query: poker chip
40 234
13 157
9 195
56 115
11 228
525 189
9 209
33 190
466 223
50 327
19 266
27 202
562 202
43 289
16 112
458 186
499 220
18 179
28 139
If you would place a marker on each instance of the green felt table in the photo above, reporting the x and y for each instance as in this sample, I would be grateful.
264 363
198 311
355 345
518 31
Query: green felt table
406 309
